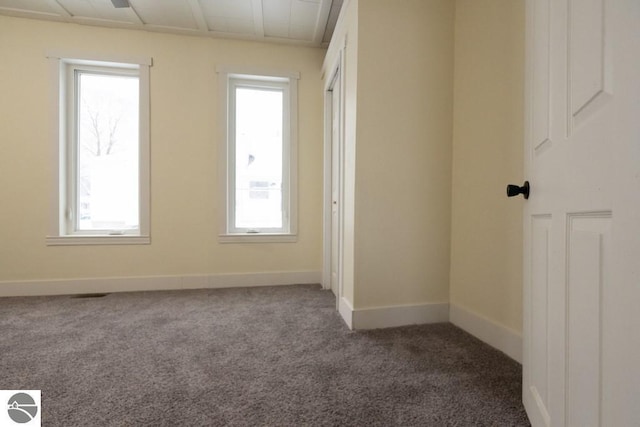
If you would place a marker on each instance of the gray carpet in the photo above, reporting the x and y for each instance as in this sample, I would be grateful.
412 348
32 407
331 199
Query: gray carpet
276 356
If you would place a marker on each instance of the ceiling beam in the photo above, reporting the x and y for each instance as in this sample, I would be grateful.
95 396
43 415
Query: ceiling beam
135 16
58 8
321 21
198 15
258 19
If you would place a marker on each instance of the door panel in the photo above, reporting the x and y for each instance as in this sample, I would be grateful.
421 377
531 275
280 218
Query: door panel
539 321
582 220
335 184
540 52
588 261
590 70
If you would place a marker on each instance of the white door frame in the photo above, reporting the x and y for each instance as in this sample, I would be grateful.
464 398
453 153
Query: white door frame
336 73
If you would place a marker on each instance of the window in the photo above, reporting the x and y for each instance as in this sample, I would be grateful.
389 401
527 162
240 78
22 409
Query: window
258 156
101 117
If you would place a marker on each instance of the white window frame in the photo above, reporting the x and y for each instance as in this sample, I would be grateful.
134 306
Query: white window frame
62 69
228 80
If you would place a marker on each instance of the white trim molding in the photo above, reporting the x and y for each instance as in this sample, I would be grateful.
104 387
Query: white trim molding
258 71
156 283
346 311
333 160
63 230
287 82
498 336
91 58
97 240
392 316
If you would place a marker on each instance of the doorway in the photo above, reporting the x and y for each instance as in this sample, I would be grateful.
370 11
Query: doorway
333 159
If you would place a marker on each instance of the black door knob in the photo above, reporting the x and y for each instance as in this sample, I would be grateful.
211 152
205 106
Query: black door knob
514 190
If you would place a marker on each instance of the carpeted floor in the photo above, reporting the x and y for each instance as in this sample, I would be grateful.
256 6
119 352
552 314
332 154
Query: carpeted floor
276 356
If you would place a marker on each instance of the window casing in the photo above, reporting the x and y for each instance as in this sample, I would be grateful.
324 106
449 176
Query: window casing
258 152
100 111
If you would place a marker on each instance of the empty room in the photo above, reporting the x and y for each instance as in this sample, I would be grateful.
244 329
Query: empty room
293 212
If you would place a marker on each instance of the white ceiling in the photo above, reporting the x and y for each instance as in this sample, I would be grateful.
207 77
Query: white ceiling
306 22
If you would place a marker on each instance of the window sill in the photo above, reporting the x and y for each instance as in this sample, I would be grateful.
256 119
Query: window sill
97 240
257 238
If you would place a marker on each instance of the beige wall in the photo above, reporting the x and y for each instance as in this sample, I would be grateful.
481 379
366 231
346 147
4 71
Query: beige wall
403 160
430 225
398 118
486 238
184 213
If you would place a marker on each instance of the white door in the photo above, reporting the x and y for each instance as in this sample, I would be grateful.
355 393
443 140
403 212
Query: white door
335 183
581 364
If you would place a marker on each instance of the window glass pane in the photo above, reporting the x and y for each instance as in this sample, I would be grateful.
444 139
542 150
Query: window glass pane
258 156
107 152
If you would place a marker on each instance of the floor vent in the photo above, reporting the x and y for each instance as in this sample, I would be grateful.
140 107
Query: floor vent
89 295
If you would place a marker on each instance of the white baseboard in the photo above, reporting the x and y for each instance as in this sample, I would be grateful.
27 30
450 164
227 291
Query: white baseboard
155 283
498 336
392 316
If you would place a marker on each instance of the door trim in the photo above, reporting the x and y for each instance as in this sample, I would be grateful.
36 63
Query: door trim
336 71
